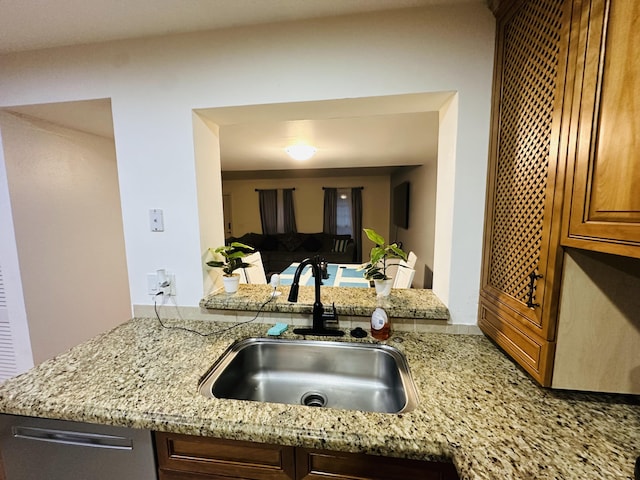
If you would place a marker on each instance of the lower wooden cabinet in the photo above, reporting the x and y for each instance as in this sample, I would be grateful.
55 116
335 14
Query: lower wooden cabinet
186 457
322 464
192 457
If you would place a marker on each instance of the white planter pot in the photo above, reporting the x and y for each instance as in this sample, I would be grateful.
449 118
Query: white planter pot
383 287
231 283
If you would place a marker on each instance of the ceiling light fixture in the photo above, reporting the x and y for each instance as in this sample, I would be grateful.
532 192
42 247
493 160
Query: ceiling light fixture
300 152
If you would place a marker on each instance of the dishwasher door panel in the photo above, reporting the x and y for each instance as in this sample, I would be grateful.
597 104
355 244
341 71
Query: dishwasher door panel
36 448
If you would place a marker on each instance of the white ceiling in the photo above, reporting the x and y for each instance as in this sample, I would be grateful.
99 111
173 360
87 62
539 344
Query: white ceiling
348 133
35 24
404 139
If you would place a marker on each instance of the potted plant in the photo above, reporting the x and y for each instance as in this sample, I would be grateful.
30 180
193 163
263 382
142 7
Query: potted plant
376 269
232 256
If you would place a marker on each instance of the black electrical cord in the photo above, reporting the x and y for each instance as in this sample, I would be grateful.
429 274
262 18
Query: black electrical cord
218 332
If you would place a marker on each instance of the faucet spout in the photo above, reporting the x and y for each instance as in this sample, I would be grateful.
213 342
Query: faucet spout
318 309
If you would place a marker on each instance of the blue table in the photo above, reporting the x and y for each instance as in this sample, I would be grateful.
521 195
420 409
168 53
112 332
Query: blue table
340 275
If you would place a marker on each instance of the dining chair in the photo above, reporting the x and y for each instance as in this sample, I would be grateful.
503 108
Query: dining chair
394 265
255 273
411 260
243 275
404 277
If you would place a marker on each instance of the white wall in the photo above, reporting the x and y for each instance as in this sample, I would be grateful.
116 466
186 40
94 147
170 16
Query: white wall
206 139
420 236
65 202
155 83
446 279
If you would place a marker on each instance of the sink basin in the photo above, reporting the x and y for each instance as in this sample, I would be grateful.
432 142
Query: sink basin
352 376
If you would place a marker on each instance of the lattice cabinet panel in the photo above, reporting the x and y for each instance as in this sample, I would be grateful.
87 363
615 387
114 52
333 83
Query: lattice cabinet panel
529 76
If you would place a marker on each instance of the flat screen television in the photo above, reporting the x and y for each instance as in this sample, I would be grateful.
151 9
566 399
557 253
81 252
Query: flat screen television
401 205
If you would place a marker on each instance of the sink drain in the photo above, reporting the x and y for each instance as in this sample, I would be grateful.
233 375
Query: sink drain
314 399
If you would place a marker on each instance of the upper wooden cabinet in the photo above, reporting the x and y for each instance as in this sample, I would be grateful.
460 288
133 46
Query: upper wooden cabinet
602 207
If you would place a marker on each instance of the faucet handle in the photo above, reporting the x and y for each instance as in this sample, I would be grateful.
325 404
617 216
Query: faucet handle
332 315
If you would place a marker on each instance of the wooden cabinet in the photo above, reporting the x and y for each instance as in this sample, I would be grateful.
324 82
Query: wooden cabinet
522 258
602 211
564 161
321 464
186 457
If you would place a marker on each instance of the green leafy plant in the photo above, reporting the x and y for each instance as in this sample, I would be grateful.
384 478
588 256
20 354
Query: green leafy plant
376 269
232 257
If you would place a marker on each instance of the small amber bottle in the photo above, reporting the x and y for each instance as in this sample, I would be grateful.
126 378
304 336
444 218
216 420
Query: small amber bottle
380 325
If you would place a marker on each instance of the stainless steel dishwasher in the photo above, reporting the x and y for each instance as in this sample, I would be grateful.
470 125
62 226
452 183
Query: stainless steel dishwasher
43 449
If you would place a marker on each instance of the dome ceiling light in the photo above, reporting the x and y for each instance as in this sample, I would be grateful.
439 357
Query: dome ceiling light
300 152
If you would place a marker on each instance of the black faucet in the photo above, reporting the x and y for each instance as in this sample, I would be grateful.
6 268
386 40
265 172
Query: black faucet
319 316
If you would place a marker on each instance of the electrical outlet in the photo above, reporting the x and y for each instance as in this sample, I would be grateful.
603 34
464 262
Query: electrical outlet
155 282
152 283
171 288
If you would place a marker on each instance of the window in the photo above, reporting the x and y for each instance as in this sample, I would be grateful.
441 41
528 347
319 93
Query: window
343 221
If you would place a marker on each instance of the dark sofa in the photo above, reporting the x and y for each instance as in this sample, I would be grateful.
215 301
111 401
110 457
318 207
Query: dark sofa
280 250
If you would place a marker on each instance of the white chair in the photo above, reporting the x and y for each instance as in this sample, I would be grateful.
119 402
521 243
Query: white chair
404 277
255 273
243 276
393 265
411 260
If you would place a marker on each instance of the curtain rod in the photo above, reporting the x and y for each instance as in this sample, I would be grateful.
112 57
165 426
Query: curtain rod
267 189
359 188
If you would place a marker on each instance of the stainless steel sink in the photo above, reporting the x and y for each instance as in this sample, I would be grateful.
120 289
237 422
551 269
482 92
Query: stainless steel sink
353 376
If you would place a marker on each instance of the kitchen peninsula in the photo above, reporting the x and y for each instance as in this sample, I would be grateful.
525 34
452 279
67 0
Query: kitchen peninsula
407 303
477 409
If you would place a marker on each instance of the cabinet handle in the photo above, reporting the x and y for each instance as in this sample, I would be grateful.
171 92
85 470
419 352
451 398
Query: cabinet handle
532 288
73 438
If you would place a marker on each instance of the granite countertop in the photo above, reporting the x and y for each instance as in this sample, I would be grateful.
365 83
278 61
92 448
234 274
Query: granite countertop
477 408
402 303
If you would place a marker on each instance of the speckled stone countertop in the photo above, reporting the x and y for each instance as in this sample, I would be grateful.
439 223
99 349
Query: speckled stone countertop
402 303
476 408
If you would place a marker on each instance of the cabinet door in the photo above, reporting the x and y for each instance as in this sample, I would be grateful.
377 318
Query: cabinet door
522 256
604 160
321 464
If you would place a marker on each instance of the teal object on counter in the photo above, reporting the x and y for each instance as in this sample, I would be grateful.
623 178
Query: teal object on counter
277 329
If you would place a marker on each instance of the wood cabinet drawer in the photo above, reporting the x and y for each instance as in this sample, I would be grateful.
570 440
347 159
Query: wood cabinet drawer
321 464
222 458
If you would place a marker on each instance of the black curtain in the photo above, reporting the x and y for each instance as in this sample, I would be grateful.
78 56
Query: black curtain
289 212
269 211
356 222
330 224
